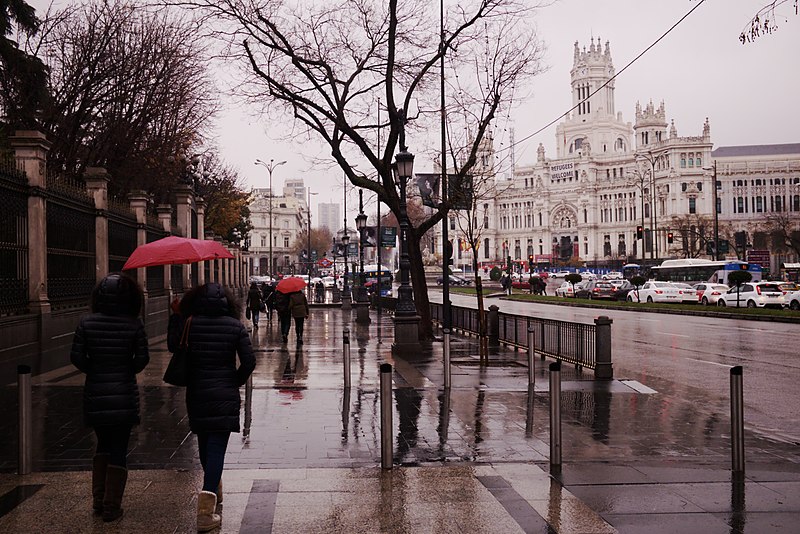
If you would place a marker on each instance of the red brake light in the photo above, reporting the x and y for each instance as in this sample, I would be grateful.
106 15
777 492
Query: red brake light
758 290
715 293
658 292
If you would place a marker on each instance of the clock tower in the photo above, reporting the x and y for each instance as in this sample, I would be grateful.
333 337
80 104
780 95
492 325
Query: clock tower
593 126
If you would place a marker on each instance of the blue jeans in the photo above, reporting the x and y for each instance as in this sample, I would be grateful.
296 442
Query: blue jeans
113 440
254 315
286 323
212 446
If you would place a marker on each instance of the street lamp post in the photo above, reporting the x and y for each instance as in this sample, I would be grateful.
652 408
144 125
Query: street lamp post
270 167
310 264
345 290
362 311
714 207
406 319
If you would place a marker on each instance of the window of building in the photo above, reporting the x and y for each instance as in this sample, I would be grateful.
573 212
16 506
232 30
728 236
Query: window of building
759 204
779 204
683 160
452 223
699 161
719 205
585 216
264 241
796 202
540 219
691 161
286 242
485 221
692 205
647 210
619 146
486 248
606 245
699 186
683 186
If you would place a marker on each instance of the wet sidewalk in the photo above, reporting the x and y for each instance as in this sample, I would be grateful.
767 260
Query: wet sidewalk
638 457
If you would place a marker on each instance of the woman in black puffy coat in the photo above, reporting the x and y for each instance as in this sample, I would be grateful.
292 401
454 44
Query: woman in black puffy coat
110 346
215 337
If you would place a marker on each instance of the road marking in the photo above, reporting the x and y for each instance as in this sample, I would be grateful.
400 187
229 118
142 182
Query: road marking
676 335
711 363
638 386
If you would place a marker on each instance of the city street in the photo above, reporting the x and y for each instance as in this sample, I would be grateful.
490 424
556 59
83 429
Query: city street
694 354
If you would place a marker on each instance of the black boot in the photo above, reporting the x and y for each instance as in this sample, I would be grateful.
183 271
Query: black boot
99 467
116 478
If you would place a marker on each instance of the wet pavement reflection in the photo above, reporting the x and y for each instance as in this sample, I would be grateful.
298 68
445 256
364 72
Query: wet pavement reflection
628 456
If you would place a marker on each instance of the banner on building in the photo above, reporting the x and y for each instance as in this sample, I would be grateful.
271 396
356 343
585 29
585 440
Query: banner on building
369 236
459 192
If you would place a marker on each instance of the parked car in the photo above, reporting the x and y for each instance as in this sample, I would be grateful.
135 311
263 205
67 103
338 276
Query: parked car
656 292
754 295
560 274
588 275
793 300
708 294
566 289
454 281
328 281
621 289
596 289
788 287
688 293
613 275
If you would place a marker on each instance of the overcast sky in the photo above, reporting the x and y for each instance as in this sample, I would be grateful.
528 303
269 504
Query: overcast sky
700 69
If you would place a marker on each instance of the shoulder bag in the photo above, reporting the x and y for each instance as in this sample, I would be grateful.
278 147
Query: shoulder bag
177 373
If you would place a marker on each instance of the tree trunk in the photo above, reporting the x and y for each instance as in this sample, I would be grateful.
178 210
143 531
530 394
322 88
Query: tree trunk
420 286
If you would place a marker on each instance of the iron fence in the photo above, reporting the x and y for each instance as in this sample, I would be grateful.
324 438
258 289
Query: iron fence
122 241
70 250
13 243
562 340
155 275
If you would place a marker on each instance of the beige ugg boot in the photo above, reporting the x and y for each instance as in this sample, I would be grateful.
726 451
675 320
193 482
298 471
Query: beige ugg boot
206 518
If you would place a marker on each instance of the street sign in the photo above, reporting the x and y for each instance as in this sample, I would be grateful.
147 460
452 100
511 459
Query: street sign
325 263
759 257
388 236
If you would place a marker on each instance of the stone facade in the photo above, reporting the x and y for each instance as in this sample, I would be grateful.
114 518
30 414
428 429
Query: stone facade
289 221
609 177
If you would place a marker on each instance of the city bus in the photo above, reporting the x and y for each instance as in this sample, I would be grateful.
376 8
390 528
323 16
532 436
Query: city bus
694 270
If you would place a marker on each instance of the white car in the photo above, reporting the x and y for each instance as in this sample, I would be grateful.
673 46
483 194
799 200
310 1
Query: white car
754 295
566 289
656 292
709 294
560 274
328 281
613 275
688 292
588 275
793 300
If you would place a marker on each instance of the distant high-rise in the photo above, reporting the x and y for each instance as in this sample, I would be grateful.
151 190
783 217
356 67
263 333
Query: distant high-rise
294 187
329 216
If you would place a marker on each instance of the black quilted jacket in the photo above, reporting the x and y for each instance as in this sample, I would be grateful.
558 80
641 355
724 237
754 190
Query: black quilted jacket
110 349
212 394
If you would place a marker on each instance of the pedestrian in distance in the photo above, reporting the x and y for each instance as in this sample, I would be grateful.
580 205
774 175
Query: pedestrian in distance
298 307
110 347
254 303
284 314
319 289
268 297
215 337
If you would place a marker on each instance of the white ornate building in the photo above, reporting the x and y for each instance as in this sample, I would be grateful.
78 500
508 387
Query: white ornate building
289 220
609 177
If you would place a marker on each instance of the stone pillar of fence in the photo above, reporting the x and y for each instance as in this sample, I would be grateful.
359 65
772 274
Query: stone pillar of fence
97 179
138 202
164 212
184 198
30 153
220 264
494 325
200 209
603 369
237 267
209 235
227 265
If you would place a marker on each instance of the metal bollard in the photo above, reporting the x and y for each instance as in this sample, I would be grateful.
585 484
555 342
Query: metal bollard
25 419
529 412
386 416
447 358
737 420
555 416
346 356
531 365
248 406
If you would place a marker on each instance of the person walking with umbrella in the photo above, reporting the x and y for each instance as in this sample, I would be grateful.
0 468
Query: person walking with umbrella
268 296
215 337
110 347
254 303
283 291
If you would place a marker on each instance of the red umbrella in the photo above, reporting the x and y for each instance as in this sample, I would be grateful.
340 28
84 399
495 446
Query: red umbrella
175 250
291 284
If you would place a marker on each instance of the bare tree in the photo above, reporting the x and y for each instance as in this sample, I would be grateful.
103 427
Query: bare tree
129 87
765 21
323 64
785 231
692 234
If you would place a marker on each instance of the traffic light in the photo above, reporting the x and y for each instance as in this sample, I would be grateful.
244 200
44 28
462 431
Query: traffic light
639 232
530 263
670 238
